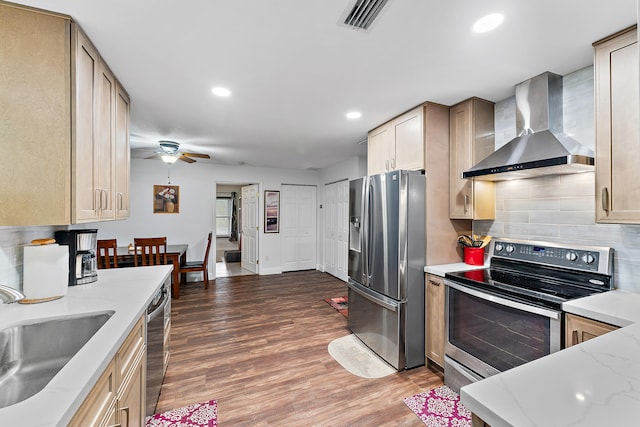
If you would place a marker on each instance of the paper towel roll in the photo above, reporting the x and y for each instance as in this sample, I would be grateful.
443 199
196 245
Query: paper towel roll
46 271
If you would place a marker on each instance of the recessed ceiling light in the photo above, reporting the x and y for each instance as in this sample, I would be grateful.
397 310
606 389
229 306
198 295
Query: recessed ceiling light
354 115
488 23
221 91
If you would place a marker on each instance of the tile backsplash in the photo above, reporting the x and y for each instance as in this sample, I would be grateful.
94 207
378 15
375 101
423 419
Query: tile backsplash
12 242
561 208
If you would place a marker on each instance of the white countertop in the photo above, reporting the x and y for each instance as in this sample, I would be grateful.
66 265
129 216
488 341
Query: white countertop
596 383
442 269
127 291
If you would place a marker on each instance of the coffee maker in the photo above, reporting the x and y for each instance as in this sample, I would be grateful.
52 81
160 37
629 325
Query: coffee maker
83 267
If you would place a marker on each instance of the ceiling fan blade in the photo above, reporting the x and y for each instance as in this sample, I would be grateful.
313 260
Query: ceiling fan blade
186 159
155 156
200 156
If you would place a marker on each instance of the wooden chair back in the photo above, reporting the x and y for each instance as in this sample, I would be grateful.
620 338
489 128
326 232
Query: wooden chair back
153 251
206 253
107 256
195 266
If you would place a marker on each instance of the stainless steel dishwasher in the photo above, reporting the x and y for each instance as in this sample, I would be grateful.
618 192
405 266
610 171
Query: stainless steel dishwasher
155 347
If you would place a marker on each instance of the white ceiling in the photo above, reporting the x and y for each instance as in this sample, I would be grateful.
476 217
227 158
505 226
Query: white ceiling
294 72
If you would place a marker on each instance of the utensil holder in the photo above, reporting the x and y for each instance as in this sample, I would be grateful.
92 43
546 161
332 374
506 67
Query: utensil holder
473 256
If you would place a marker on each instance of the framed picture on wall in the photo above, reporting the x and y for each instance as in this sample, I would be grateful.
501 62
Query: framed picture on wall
271 211
166 199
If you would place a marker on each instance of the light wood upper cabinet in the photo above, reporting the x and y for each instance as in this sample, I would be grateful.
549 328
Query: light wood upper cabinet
35 108
409 140
471 140
579 329
86 72
122 153
380 149
59 115
617 131
397 144
434 319
100 126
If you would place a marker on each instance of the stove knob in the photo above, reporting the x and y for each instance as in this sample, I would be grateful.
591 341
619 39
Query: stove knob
510 248
588 258
572 256
499 247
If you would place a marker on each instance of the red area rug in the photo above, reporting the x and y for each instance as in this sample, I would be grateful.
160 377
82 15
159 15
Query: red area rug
198 415
439 407
340 303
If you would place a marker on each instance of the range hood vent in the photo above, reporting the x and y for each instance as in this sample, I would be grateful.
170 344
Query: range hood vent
541 147
363 13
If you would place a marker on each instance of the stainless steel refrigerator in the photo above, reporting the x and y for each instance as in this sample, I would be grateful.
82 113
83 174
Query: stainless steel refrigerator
386 265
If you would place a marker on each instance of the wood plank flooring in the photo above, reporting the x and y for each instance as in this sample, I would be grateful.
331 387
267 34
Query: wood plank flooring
258 345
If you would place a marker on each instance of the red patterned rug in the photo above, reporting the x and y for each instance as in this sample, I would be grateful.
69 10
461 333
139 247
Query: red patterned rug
198 415
340 303
439 407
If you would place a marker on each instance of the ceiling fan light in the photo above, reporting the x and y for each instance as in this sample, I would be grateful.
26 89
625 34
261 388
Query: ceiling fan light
221 91
169 158
488 23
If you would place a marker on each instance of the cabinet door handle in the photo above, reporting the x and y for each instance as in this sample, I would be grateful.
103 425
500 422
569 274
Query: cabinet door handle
97 200
574 337
105 197
120 197
466 203
393 164
433 282
605 199
386 165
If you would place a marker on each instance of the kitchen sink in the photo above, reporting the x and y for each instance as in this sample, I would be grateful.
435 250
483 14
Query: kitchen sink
31 354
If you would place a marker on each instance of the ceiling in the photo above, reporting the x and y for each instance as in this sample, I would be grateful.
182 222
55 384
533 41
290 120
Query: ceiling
294 72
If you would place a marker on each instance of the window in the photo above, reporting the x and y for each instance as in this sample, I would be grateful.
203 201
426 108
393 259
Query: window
223 217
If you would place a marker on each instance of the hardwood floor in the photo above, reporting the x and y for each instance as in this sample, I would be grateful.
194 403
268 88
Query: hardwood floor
258 345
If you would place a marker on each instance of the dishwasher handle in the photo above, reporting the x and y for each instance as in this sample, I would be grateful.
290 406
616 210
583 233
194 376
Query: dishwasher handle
160 310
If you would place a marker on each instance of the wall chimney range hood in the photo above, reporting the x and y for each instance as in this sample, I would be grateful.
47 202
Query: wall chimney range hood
541 147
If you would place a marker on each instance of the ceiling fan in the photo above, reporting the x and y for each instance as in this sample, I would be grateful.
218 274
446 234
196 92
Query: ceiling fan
169 153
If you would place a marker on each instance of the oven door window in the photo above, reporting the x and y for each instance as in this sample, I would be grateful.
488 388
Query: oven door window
500 336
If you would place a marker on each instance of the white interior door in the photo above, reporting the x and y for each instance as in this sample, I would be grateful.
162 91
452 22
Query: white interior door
298 227
250 221
336 253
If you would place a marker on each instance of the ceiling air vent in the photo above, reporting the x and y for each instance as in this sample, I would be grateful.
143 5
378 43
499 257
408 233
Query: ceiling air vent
363 13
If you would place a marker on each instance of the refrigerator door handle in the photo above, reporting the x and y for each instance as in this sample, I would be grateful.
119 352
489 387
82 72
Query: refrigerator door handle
366 203
380 300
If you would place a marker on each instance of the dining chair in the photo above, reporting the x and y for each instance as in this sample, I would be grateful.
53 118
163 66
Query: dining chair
195 266
107 255
153 251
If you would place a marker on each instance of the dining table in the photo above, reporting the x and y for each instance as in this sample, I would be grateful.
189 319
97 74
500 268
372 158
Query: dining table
176 254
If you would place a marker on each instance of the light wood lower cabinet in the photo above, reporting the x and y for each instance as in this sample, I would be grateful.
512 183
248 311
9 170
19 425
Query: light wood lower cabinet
118 397
131 396
98 409
579 329
434 319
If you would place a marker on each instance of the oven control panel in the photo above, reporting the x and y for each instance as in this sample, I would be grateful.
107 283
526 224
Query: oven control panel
581 258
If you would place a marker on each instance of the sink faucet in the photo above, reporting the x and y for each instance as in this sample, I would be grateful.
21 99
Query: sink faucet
9 295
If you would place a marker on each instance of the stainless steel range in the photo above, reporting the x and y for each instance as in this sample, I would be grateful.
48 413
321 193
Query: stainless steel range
511 313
